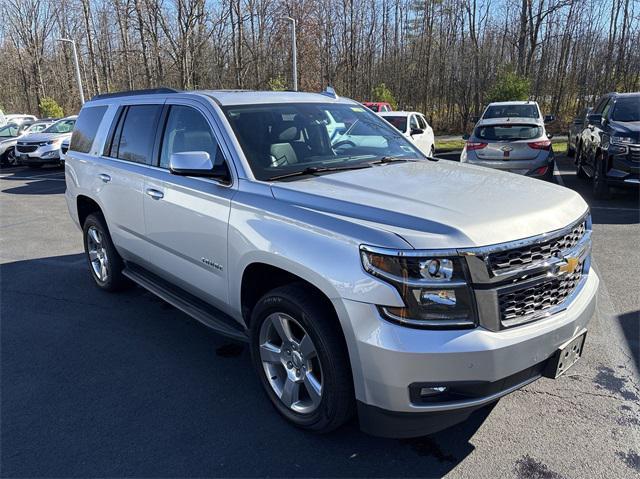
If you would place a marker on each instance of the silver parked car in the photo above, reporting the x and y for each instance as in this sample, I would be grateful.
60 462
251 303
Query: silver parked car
511 136
364 277
42 148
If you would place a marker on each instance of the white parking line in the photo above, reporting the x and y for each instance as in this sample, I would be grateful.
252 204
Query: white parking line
41 177
557 175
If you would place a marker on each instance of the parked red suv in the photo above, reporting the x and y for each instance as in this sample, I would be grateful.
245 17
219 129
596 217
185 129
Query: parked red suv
377 106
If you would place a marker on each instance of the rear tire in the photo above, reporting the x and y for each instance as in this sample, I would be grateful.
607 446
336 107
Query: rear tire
105 264
579 170
299 353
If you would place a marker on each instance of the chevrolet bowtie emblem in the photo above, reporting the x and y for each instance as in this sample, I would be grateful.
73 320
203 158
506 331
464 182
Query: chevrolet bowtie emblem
569 266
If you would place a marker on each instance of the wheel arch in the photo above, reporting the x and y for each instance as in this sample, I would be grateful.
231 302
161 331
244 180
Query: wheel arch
85 206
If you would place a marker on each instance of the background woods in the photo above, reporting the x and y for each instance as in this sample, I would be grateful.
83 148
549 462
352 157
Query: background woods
443 57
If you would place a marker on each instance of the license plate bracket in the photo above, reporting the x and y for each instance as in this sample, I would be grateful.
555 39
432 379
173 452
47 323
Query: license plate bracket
565 356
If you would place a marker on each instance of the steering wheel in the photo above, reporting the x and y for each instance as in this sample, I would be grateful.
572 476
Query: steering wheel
342 143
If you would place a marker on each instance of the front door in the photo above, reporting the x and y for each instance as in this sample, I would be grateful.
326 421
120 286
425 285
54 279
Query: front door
187 218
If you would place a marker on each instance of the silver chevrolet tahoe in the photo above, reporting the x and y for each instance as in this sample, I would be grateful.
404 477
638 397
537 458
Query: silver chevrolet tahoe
365 277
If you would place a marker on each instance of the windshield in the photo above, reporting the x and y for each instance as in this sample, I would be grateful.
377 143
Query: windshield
400 122
511 111
9 131
285 138
508 132
62 126
627 109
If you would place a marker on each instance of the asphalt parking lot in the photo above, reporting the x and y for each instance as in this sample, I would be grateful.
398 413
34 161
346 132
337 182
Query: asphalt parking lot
95 384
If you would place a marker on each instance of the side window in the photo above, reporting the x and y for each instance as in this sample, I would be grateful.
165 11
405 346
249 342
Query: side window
422 122
414 123
187 130
86 128
135 134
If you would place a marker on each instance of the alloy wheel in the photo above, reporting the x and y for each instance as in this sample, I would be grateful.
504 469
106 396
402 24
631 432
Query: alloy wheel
97 254
291 363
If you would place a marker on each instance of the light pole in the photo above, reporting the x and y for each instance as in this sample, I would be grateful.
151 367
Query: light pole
75 59
294 51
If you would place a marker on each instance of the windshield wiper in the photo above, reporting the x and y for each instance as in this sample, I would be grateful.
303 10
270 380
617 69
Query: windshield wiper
394 159
312 170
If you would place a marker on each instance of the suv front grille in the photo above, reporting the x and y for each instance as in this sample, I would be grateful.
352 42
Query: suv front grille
531 301
634 153
503 261
26 148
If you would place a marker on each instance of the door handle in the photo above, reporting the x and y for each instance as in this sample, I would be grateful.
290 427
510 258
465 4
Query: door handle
155 194
104 177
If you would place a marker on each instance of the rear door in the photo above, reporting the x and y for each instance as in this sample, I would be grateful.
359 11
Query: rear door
510 142
186 217
121 174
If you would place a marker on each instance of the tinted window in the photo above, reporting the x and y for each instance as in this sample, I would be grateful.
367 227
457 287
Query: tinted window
134 137
600 105
400 122
508 132
627 109
511 111
414 123
422 122
188 130
86 128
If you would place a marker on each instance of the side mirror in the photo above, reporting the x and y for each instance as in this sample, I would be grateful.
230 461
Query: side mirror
466 136
549 118
195 163
549 135
594 118
416 131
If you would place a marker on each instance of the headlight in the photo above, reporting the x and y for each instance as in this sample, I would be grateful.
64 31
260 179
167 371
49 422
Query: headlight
54 142
433 287
621 140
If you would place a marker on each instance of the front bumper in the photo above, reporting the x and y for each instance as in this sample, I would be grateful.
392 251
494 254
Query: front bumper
624 165
48 154
387 359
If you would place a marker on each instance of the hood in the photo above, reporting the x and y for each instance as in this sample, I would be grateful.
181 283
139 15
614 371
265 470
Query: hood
39 137
627 128
439 205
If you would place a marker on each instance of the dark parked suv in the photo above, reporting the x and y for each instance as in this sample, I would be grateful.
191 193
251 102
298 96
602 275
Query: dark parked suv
608 150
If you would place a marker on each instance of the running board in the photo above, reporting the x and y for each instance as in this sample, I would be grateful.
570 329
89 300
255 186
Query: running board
203 312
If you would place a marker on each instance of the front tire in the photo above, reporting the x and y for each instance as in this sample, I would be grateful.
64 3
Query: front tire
570 151
299 353
105 264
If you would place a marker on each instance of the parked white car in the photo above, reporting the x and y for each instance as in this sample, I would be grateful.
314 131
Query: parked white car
19 118
415 127
11 133
43 148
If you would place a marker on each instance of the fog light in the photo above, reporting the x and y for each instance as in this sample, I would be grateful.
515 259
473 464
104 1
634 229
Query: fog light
440 297
432 391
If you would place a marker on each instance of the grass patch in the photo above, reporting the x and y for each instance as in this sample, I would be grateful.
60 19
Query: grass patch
449 145
560 147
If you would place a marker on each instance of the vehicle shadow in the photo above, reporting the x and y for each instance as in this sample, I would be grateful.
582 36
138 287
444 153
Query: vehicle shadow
48 181
99 384
630 325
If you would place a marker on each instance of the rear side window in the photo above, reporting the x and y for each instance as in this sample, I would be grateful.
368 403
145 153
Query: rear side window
400 122
86 128
135 134
422 122
508 132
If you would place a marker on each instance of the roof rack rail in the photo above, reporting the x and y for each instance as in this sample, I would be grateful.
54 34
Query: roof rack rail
149 91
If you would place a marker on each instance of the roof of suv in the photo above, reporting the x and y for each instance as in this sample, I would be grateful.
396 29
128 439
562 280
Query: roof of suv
233 97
